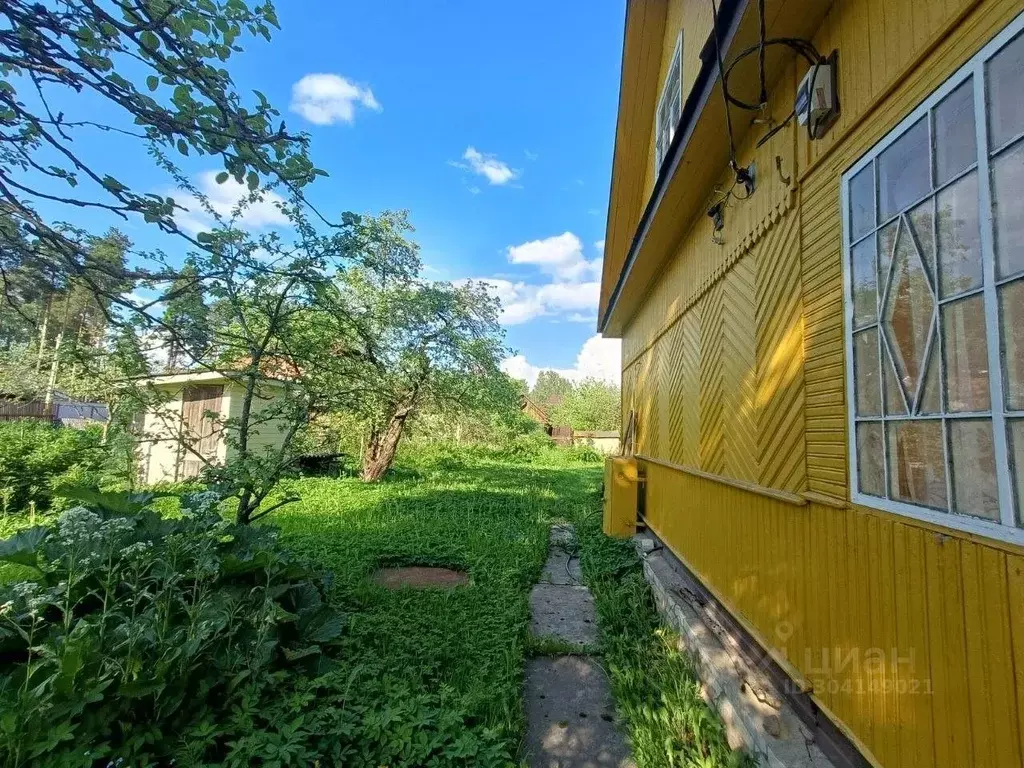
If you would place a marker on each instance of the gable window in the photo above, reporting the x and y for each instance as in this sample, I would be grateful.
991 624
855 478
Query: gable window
934 280
670 107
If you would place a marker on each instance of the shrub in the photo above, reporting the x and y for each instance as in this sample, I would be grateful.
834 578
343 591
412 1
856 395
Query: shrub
526 447
582 454
139 629
36 459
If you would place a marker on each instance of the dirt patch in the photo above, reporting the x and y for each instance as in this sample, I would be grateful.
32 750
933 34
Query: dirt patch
419 577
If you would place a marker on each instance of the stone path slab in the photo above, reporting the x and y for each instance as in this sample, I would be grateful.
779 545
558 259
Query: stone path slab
570 712
570 716
564 612
561 568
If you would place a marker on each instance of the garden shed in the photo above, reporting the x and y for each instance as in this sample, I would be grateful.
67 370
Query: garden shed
183 427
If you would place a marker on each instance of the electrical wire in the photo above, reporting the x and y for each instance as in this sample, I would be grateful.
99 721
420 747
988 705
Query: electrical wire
804 48
721 76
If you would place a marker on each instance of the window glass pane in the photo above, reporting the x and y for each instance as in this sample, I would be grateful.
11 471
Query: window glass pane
1015 428
865 367
1008 209
908 312
865 298
922 222
959 237
870 470
862 203
966 352
973 461
894 402
917 464
1005 79
1011 320
929 403
886 241
955 145
903 175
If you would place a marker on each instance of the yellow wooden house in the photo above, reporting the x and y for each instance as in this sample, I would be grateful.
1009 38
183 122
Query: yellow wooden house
820 293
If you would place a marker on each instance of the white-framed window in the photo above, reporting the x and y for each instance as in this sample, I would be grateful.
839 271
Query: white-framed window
670 106
933 222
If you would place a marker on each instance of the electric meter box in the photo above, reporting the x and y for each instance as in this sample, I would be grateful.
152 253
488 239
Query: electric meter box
816 96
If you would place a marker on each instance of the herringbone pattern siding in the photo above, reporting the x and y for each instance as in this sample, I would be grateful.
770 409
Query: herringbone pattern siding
781 452
739 372
712 442
722 388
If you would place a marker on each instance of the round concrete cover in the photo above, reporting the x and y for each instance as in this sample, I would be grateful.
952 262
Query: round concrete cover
419 577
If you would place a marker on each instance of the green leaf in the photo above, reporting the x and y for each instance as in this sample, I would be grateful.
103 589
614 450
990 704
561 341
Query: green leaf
222 177
322 625
152 82
23 547
118 502
253 180
149 41
300 653
183 147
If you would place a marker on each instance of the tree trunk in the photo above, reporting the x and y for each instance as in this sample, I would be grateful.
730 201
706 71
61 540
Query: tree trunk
43 328
383 445
51 382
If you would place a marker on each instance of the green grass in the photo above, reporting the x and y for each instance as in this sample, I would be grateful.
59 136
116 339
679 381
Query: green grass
653 680
433 677
487 518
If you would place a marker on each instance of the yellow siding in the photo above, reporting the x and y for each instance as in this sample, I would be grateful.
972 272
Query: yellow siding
910 636
693 19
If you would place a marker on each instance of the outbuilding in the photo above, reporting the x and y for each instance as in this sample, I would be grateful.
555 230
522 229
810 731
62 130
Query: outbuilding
184 426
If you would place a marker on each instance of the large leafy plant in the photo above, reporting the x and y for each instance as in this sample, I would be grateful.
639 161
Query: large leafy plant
136 622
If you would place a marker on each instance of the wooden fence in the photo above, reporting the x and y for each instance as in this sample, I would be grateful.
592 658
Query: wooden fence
35 410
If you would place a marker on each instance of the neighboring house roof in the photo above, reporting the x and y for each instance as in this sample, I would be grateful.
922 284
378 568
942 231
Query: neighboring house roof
198 377
533 410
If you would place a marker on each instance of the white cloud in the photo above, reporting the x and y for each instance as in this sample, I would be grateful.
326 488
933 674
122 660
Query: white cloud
224 200
569 285
560 255
598 358
599 245
562 296
496 171
522 302
325 99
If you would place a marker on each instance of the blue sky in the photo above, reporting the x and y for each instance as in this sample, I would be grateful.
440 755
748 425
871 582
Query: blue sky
492 123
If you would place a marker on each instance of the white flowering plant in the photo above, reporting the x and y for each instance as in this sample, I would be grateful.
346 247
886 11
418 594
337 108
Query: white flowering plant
134 623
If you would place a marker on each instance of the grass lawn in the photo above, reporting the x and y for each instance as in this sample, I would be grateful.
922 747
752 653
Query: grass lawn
434 677
462 650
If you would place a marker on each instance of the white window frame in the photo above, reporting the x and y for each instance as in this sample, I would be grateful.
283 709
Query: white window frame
1006 530
676 62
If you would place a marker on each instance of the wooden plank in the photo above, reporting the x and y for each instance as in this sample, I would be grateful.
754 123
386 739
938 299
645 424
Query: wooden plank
913 665
989 656
1015 593
948 651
